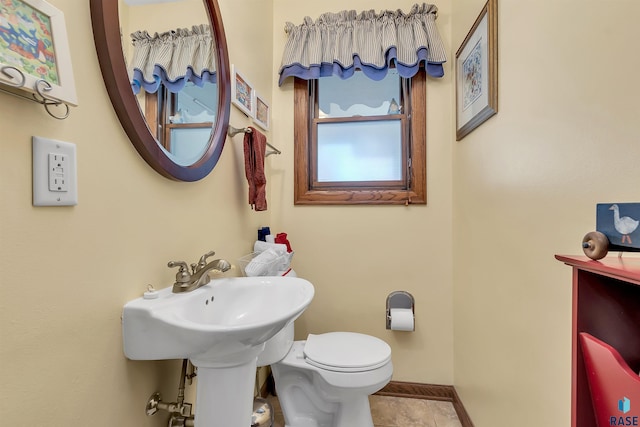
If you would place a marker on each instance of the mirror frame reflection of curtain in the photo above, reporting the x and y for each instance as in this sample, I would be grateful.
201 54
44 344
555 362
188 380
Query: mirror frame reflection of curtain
162 65
172 58
106 31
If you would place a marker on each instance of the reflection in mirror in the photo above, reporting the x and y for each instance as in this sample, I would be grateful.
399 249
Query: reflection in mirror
173 74
168 79
182 121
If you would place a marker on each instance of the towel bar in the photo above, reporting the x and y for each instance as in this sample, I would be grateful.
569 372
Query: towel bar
231 131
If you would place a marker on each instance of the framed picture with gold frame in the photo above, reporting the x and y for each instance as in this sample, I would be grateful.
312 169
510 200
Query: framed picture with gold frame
34 51
477 72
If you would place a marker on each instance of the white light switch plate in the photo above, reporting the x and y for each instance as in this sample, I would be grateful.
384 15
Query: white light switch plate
55 181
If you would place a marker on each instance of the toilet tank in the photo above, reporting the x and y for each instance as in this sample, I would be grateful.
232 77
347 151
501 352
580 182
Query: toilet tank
277 347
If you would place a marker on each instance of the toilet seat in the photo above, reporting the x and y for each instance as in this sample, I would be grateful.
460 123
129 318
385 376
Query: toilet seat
346 352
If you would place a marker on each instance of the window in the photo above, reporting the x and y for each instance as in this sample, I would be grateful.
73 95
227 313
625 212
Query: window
182 121
360 141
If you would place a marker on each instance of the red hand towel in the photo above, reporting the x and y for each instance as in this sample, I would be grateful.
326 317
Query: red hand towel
255 146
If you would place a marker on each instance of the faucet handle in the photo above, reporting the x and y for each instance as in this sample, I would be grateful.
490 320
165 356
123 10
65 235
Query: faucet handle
203 259
182 276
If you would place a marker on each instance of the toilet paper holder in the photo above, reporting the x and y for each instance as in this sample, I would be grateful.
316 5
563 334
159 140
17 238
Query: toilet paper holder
399 299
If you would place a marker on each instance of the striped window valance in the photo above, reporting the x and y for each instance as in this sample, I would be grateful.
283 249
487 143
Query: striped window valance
172 58
339 43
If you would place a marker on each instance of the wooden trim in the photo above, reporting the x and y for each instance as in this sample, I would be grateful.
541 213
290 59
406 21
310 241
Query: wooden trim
301 139
268 387
356 119
625 269
409 390
151 112
305 195
445 393
419 138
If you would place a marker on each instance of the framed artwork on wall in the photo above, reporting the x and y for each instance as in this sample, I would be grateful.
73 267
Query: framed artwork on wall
477 72
34 51
242 93
263 112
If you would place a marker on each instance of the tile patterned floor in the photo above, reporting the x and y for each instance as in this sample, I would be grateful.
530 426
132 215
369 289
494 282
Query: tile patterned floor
388 411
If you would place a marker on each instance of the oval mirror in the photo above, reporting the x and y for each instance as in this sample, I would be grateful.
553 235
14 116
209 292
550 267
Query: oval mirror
107 26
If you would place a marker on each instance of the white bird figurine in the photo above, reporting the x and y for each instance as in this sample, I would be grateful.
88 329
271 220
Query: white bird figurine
624 225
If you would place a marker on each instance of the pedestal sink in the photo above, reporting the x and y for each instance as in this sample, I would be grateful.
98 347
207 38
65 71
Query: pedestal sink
221 327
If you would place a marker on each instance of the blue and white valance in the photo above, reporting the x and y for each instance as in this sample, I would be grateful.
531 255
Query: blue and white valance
339 43
172 58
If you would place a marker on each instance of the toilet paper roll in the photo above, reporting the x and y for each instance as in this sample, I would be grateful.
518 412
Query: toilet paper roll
401 319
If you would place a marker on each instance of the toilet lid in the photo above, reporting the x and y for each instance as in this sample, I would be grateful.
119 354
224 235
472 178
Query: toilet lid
346 351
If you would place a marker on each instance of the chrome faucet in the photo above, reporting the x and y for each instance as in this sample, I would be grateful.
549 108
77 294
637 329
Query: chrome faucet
199 276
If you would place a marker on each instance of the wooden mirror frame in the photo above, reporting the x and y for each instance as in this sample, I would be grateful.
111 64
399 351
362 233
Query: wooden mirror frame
106 33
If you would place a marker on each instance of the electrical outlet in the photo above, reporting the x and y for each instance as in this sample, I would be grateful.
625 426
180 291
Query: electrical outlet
55 181
58 172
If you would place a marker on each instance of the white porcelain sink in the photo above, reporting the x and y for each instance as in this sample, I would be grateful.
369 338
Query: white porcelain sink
215 321
221 327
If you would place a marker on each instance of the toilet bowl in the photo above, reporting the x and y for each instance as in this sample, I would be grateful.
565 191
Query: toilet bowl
326 380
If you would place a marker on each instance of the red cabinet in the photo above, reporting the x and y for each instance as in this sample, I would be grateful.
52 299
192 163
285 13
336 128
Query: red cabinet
606 306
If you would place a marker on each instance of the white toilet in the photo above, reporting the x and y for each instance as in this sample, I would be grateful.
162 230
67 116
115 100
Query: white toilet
326 380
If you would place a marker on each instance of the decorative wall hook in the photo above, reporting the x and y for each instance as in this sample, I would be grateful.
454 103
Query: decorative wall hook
17 80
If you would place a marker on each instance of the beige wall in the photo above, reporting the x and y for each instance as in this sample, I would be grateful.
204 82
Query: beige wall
525 188
479 256
66 272
356 255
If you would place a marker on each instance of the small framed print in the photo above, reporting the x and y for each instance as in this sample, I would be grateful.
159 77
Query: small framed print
34 50
477 72
263 112
242 93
